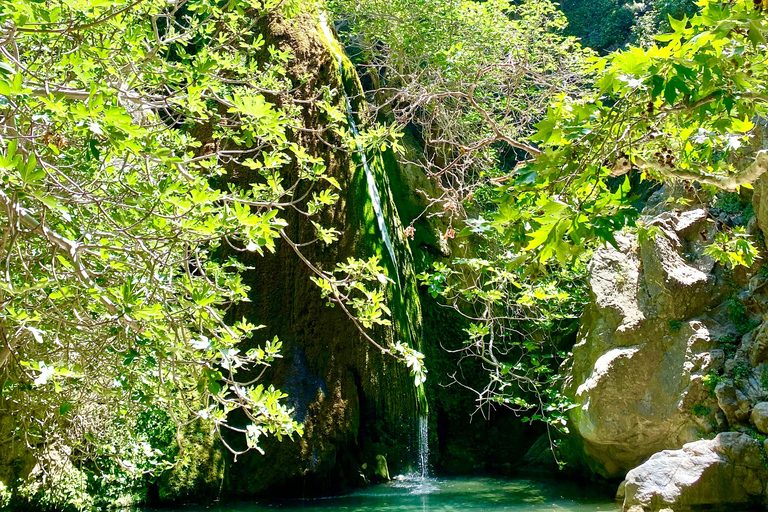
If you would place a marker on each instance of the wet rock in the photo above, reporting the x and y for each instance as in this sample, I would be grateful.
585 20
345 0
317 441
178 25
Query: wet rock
722 472
382 470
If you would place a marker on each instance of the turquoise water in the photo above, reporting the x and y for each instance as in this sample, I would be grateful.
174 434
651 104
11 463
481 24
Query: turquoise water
449 495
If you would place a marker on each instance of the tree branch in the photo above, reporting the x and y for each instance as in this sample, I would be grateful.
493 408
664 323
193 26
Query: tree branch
72 250
729 183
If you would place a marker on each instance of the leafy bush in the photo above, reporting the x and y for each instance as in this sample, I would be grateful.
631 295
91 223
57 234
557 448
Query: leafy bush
700 409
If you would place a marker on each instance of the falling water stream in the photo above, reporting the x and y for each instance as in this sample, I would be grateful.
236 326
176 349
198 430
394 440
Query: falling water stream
423 445
423 438
372 188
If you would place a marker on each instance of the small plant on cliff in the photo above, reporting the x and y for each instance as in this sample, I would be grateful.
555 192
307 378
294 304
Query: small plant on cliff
729 345
741 371
739 316
711 380
700 409
733 248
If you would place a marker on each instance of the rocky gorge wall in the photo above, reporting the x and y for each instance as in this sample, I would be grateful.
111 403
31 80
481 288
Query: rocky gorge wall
669 372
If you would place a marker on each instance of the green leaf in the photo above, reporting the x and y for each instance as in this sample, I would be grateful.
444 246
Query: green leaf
6 69
29 172
678 26
673 88
755 33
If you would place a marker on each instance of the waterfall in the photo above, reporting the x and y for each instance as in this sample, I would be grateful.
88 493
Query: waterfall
373 190
424 445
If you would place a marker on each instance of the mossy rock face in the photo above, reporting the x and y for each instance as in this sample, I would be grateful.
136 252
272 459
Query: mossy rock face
199 473
354 402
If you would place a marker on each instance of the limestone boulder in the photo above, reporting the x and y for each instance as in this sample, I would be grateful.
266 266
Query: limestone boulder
759 417
733 402
644 346
758 348
718 473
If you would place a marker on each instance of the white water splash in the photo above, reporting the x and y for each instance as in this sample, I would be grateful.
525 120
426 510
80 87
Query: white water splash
373 191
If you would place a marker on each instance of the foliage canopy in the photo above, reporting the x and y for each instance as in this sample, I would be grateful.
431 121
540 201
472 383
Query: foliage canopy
120 122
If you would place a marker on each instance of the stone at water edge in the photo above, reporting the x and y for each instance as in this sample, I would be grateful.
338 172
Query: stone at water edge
759 417
382 469
721 472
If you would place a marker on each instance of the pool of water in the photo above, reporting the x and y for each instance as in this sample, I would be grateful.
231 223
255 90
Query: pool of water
414 494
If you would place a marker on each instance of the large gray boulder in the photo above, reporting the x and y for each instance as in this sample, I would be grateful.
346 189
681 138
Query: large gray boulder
723 472
644 346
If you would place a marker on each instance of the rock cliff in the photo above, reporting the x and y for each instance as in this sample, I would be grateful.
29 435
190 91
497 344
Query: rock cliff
671 353
645 344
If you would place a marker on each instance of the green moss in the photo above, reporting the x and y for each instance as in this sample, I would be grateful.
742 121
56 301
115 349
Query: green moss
199 471
404 302
421 399
355 403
